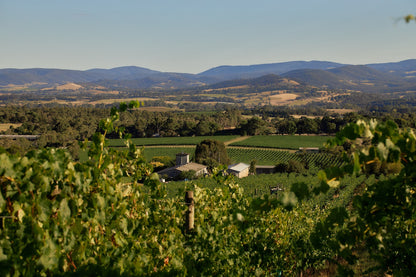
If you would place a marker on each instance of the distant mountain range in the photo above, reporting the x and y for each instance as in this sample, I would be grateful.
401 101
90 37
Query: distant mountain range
383 77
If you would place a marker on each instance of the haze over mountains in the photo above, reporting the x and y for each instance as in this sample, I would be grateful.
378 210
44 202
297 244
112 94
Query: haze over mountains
383 77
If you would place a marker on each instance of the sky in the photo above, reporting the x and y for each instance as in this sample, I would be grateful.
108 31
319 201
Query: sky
192 36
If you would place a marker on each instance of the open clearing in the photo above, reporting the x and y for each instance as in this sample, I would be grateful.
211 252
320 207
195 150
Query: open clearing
6 126
341 111
282 99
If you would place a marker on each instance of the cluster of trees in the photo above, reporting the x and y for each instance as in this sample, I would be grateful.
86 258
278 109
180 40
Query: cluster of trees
135 229
290 125
63 126
211 153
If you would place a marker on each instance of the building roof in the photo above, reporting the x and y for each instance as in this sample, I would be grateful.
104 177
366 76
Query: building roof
266 166
191 166
174 171
238 167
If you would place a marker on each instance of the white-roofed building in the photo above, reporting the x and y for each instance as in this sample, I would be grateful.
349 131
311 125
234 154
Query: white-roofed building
183 165
240 170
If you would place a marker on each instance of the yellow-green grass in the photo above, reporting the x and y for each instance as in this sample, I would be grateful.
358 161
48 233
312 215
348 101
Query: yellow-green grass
6 126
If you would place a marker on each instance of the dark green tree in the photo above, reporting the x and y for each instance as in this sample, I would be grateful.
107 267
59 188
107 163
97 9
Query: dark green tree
253 126
206 128
212 153
252 169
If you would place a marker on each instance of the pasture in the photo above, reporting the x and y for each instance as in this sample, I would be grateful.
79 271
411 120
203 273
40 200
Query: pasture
171 151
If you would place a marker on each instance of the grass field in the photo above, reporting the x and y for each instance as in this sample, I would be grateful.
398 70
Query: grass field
262 156
150 152
170 140
284 142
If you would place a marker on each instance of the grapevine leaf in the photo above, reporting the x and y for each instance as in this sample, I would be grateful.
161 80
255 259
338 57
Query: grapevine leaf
301 190
64 211
2 203
122 107
3 257
134 104
383 151
49 257
289 199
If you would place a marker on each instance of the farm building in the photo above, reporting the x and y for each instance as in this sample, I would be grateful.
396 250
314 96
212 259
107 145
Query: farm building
183 165
309 149
240 170
265 169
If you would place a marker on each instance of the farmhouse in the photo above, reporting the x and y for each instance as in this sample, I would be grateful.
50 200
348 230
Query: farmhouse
183 165
240 170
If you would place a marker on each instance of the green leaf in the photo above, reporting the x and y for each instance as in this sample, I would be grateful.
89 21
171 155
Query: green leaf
301 190
3 257
2 203
134 104
64 211
383 151
49 255
289 199
122 107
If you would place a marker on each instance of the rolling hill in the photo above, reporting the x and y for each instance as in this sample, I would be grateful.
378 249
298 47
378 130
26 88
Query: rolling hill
252 71
353 77
383 77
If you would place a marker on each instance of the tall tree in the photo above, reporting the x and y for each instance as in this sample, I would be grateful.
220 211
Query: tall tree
212 153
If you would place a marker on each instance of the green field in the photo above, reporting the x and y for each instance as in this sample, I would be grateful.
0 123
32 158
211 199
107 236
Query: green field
169 146
257 185
262 156
150 152
170 140
273 157
284 142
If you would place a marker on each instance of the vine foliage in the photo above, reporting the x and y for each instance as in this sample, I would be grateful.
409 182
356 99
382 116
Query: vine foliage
383 217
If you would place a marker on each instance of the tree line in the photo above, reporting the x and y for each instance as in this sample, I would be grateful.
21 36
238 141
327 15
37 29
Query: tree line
65 126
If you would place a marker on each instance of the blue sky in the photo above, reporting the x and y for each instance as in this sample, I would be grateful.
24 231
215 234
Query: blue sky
195 35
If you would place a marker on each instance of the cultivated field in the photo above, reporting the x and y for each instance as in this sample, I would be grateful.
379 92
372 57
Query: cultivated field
273 157
266 150
171 140
283 142
150 152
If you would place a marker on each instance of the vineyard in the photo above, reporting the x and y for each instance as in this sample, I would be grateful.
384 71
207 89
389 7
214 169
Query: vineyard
259 185
110 216
117 228
150 152
284 142
273 157
263 149
314 161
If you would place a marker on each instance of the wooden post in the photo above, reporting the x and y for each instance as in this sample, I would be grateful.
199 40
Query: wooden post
190 213
255 192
